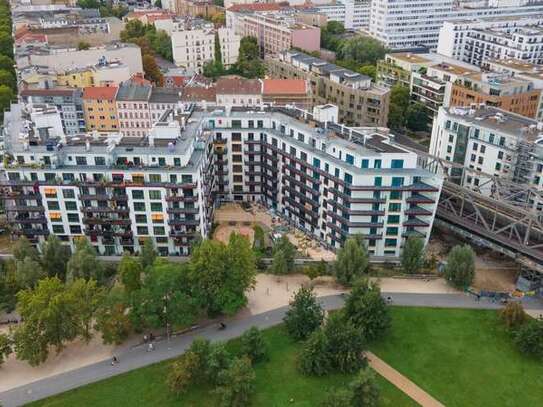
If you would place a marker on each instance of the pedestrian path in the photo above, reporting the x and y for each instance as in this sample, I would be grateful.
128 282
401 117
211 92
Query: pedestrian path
402 382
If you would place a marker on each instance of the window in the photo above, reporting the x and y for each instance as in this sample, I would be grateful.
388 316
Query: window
154 195
58 229
159 230
392 231
68 193
393 219
498 167
397 164
70 205
377 164
99 161
137 194
156 206
365 163
396 195
139 206
142 230
348 178
73 217
53 205
81 160
397 181
155 178
349 158
141 218
394 207
378 181
75 229
390 242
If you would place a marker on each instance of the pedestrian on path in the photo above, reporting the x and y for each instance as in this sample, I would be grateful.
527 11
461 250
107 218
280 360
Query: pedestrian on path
114 361
150 347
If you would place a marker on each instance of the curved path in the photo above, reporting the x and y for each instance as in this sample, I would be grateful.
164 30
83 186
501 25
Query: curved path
138 357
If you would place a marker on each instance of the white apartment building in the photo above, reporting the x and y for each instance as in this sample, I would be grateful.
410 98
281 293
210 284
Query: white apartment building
329 180
478 41
402 24
492 141
194 45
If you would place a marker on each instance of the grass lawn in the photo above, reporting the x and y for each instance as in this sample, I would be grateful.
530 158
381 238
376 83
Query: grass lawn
461 357
277 383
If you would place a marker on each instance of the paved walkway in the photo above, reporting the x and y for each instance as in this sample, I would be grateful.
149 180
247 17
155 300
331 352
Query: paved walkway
138 357
402 382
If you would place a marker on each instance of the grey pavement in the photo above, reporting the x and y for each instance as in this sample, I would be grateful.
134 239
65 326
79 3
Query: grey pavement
138 356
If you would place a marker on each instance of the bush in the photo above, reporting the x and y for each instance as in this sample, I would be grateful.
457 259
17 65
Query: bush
236 383
337 398
181 375
352 261
304 314
253 345
364 389
460 268
513 315
314 359
529 339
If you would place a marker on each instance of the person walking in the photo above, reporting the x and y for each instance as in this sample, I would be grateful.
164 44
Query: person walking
114 361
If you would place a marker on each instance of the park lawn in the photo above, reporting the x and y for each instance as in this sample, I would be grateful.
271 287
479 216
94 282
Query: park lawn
461 357
278 384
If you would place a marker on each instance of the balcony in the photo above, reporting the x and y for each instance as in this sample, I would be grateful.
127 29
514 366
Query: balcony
182 210
25 208
418 198
417 210
416 222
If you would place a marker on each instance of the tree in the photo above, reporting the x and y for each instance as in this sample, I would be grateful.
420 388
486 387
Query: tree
304 315
28 272
7 63
50 319
249 64
130 272
364 389
151 69
284 248
399 102
416 117
513 315
279 265
253 345
8 285
363 50
330 35
55 257
6 44
181 376
259 242
218 359
158 4
5 347
6 97
236 383
529 338
314 359
84 262
112 318
160 42
460 267
337 398
219 19
86 297
221 274
412 257
367 310
148 253
23 249
7 78
133 29
88 3
369 70
83 45
345 344
217 54
351 261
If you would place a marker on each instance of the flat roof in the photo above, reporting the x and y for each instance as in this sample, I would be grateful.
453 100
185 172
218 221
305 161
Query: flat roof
409 57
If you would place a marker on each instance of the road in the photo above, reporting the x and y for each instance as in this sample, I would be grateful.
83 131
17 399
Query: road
138 357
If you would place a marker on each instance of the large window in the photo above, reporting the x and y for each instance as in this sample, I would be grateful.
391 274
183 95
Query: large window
154 195
137 194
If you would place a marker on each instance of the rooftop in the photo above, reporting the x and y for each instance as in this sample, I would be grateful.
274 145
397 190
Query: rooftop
164 95
409 57
238 86
100 92
198 94
48 92
454 69
130 91
284 86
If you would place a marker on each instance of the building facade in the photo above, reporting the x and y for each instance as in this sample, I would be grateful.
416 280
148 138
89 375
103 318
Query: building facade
100 109
133 109
360 102
328 180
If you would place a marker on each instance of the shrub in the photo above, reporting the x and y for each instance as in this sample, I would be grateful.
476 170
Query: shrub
314 359
460 268
304 314
529 339
181 375
364 389
513 315
253 345
236 383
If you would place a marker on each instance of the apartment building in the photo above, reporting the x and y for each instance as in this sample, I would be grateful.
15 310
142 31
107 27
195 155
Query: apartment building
133 109
282 92
477 41
496 89
329 180
397 68
162 100
68 102
404 24
275 33
238 92
360 102
492 141
100 108
103 73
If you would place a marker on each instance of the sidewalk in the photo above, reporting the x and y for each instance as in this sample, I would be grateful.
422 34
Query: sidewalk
402 382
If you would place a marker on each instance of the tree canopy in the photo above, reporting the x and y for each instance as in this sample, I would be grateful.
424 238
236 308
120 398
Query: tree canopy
460 267
351 260
304 315
412 257
399 102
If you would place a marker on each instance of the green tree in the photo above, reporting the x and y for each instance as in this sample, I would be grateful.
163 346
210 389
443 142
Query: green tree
84 262
399 102
369 70
219 19
8 285
7 78
7 63
55 257
5 347
330 35
86 297
337 398
181 373
50 319
158 4
151 69
6 44
259 242
148 253
367 310
130 272
6 97
513 315
460 268
254 345
529 338
286 249
112 319
28 272
314 359
83 45
236 383
416 117
304 315
249 64
133 29
363 50
351 261
160 42
218 360
23 249
89 3
279 265
364 389
412 257
221 274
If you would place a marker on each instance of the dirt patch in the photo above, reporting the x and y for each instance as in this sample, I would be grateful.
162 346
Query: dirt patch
223 232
